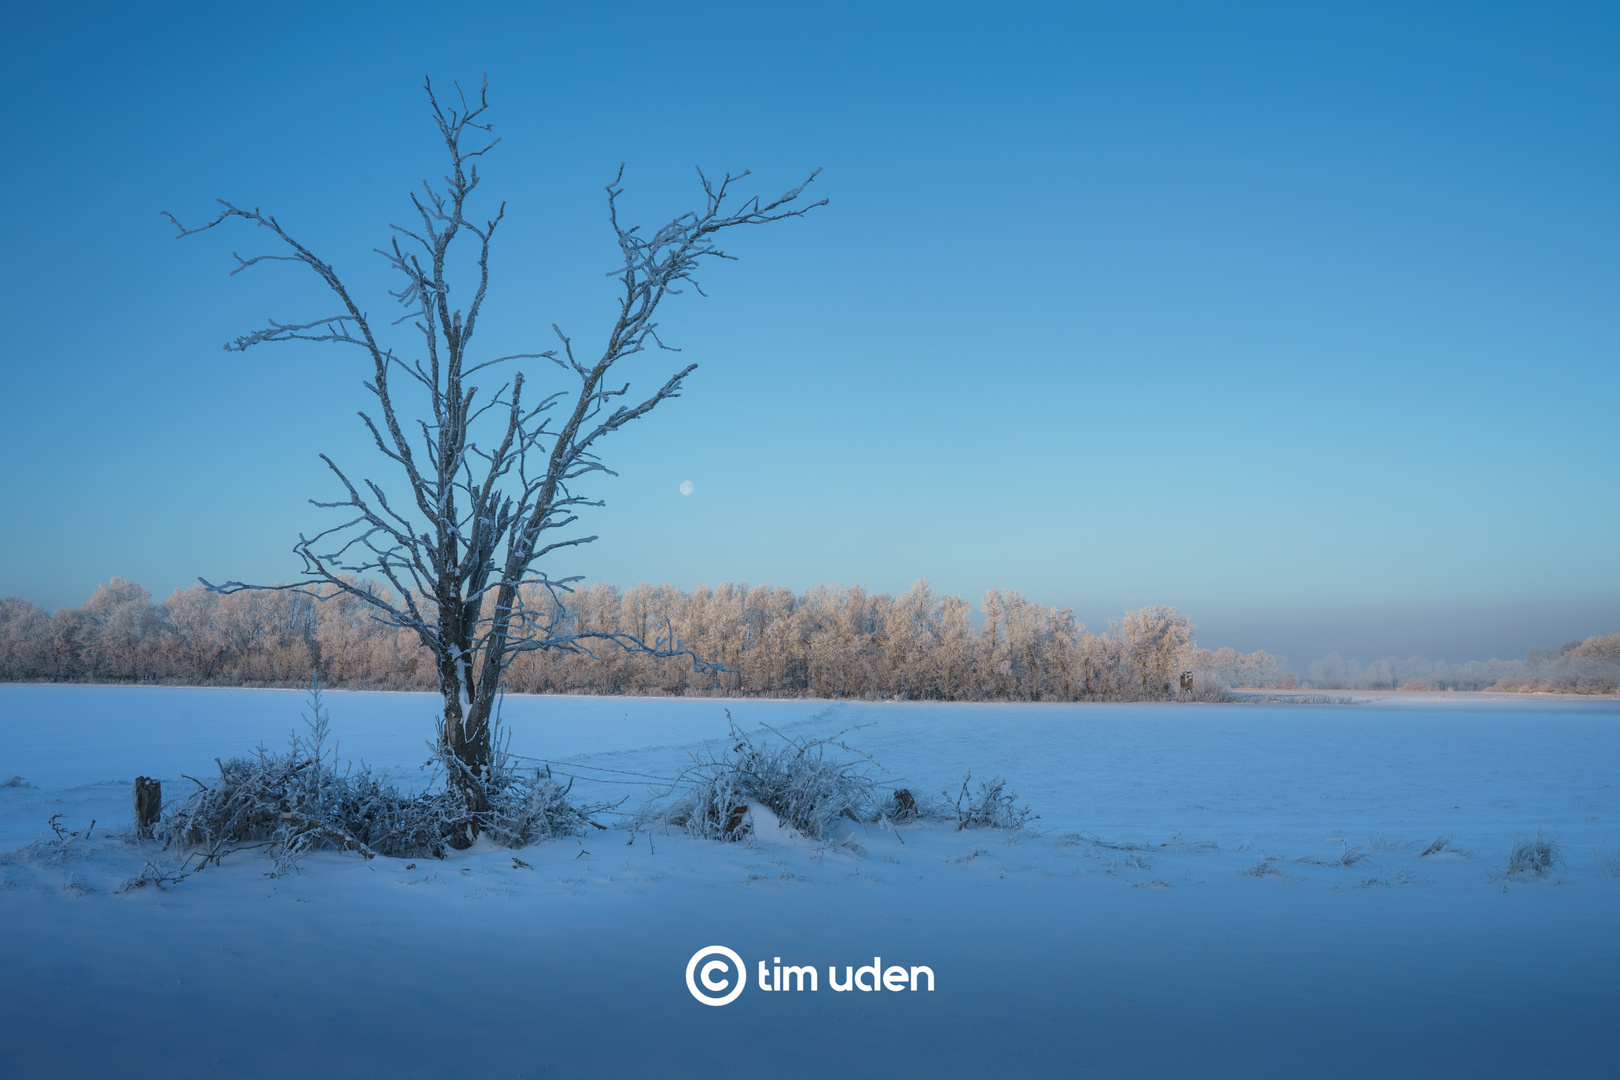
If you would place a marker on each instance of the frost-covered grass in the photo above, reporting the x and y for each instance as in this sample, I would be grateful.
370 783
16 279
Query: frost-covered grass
304 800
815 786
1267 697
1538 855
809 784
1440 845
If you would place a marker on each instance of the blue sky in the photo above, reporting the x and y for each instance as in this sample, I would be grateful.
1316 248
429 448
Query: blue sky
1302 318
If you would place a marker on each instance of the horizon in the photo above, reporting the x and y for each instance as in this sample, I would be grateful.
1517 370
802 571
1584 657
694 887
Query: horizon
1299 322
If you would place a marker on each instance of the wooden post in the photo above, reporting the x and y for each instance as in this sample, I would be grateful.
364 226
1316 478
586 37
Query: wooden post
148 804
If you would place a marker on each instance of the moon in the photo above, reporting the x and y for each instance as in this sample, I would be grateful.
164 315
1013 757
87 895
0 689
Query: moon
686 487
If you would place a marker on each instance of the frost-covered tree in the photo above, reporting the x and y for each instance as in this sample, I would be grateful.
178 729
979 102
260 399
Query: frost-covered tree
487 483
198 647
127 627
1228 667
25 639
1153 643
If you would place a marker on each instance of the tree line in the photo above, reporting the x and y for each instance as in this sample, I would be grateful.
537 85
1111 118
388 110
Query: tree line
1589 666
826 641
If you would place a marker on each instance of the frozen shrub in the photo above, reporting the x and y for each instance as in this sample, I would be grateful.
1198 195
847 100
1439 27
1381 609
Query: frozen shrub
65 846
526 809
300 801
798 780
163 878
15 781
992 808
1538 855
809 788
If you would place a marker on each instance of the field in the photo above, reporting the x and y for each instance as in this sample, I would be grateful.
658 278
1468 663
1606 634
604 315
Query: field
1209 890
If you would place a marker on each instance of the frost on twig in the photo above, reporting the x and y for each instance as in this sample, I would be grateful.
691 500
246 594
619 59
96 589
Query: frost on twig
63 846
993 807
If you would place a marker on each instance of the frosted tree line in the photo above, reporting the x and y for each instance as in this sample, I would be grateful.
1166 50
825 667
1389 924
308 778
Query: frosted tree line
199 637
824 642
847 642
827 641
1591 666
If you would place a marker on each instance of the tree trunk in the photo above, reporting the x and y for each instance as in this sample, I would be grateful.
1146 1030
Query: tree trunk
465 742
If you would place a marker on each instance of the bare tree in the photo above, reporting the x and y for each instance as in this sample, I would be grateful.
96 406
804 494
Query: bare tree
477 518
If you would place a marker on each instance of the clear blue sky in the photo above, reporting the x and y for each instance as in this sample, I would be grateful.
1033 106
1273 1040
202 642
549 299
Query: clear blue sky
1301 317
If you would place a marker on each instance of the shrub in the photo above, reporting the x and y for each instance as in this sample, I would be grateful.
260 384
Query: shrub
810 788
993 808
1538 855
299 801
526 809
797 779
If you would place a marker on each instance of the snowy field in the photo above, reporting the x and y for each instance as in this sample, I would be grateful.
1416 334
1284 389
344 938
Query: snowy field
1209 890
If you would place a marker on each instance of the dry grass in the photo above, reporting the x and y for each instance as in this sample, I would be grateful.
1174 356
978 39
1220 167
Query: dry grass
300 801
1440 846
1538 855
803 782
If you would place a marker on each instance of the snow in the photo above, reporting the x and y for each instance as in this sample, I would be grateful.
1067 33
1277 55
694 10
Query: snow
1127 932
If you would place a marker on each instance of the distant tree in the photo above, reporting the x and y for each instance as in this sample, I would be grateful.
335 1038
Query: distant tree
126 627
25 640
1153 643
198 646
467 531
